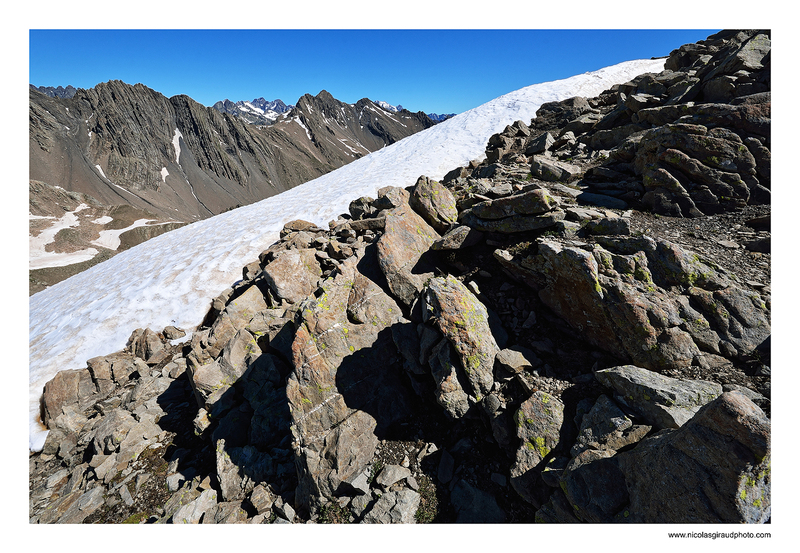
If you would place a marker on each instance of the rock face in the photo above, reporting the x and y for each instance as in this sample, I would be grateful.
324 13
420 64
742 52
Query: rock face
488 348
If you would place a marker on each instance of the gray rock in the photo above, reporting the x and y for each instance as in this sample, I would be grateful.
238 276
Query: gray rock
499 479
548 169
210 381
394 508
606 225
391 474
406 238
284 510
261 499
173 332
435 203
514 223
182 497
663 401
148 345
449 392
226 512
459 237
539 420
595 486
361 207
86 504
691 475
112 430
361 503
517 359
533 202
344 380
191 513
68 387
464 321
605 426
293 275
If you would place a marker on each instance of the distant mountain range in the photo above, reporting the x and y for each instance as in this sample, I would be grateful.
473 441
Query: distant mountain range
257 112
434 116
57 92
265 112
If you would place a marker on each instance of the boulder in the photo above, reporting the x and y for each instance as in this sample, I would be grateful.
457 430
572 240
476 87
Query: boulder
516 359
548 169
192 512
606 427
293 275
238 311
449 391
211 380
623 300
148 346
464 321
533 202
540 144
663 401
459 237
406 238
539 422
512 224
391 474
714 469
434 203
594 485
473 505
67 388
394 508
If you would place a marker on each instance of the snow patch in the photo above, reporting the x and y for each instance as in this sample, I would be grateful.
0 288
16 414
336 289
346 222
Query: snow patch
164 174
299 122
103 220
110 238
177 145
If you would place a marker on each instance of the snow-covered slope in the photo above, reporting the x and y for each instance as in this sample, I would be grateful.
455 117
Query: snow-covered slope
171 279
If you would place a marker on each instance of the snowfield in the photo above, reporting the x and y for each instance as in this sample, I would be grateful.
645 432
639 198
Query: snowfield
171 279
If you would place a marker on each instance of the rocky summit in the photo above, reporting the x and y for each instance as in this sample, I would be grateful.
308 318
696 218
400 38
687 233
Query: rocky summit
575 329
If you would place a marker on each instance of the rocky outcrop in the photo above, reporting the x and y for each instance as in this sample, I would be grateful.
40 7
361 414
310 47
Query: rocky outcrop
412 363
691 140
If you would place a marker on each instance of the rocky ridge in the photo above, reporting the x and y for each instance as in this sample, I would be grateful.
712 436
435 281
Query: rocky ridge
520 342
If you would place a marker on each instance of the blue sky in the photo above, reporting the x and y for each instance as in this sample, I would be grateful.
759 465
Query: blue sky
442 71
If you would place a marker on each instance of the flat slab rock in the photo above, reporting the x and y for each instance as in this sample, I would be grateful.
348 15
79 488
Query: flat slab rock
663 401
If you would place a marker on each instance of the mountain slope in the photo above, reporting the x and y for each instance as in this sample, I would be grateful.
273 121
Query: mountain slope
178 159
171 279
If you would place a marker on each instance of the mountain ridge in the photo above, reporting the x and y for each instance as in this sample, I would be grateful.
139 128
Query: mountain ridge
121 144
